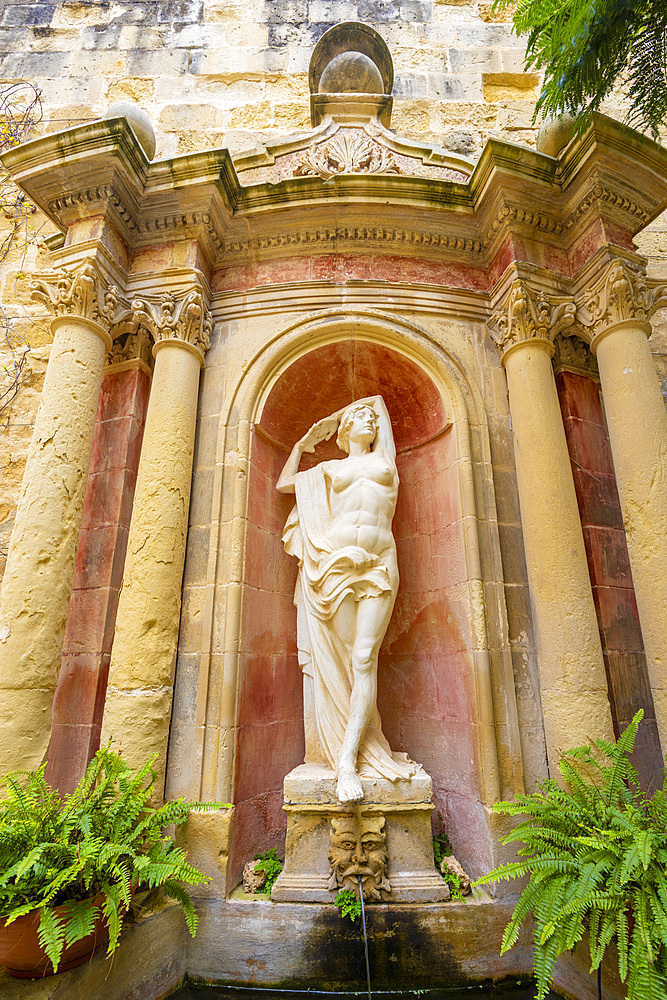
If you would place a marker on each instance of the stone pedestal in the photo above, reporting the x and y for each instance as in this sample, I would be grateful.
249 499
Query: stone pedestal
386 838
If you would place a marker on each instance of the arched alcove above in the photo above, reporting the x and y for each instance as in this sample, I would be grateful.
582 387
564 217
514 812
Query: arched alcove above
333 375
427 690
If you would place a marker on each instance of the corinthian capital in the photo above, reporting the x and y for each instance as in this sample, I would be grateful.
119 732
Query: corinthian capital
620 293
527 315
83 292
184 318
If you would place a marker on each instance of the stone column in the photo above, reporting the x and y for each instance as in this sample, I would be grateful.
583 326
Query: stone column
616 313
573 685
78 703
141 674
40 563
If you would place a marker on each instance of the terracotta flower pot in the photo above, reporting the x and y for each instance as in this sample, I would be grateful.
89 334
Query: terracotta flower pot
23 957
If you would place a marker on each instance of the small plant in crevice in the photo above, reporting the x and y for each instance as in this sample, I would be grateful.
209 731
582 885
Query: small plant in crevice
441 845
348 904
270 863
454 883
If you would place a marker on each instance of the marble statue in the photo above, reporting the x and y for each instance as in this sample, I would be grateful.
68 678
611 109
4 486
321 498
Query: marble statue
340 531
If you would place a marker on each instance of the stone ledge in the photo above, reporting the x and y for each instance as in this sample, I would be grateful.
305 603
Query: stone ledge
309 945
312 785
149 963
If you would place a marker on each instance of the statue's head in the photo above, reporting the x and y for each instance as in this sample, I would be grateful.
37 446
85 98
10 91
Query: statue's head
360 419
359 848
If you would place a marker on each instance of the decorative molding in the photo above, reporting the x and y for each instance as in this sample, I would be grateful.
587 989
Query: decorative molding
359 849
514 213
139 227
527 314
352 234
84 292
135 345
103 192
597 192
185 318
620 293
182 220
573 354
347 154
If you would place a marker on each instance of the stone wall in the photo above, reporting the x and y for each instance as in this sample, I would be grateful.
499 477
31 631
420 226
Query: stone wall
232 72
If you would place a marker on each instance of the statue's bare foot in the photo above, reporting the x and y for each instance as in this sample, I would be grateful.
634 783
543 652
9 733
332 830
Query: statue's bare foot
349 787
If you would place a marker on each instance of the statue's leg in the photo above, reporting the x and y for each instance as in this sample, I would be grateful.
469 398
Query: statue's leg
372 619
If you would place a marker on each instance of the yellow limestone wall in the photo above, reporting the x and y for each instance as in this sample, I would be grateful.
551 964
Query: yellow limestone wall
234 72
213 73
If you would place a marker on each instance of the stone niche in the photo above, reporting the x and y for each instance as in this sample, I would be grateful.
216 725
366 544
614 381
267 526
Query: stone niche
426 683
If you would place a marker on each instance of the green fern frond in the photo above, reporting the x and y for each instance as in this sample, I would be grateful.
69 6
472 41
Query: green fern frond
52 935
80 917
595 853
99 842
182 896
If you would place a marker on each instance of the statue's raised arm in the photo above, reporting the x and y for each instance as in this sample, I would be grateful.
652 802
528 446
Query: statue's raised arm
321 431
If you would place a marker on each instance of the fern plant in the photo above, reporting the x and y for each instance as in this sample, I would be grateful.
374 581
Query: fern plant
270 863
596 856
587 47
89 851
348 904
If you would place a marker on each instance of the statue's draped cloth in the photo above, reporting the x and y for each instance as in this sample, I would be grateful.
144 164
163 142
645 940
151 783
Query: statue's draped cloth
326 577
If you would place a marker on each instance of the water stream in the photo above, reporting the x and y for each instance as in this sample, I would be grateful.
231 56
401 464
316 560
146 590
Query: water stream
363 921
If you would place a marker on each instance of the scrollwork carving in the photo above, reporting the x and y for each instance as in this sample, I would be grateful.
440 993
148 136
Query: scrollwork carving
573 352
347 154
132 346
620 293
83 292
184 318
527 315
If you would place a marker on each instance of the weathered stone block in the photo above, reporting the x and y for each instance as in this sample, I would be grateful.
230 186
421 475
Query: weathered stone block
510 86
30 13
385 840
180 10
101 36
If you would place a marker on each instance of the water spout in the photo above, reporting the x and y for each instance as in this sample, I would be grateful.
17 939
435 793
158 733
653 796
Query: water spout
363 921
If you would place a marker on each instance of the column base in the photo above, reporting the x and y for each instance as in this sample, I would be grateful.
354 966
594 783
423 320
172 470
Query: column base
385 839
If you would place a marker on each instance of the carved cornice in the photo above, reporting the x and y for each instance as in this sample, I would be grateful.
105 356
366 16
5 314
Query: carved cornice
527 314
351 234
186 317
619 294
508 214
597 193
92 197
84 292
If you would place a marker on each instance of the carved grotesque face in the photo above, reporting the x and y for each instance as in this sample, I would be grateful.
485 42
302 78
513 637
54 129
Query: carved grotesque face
359 423
359 848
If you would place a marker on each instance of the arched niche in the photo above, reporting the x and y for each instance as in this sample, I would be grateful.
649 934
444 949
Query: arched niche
429 684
